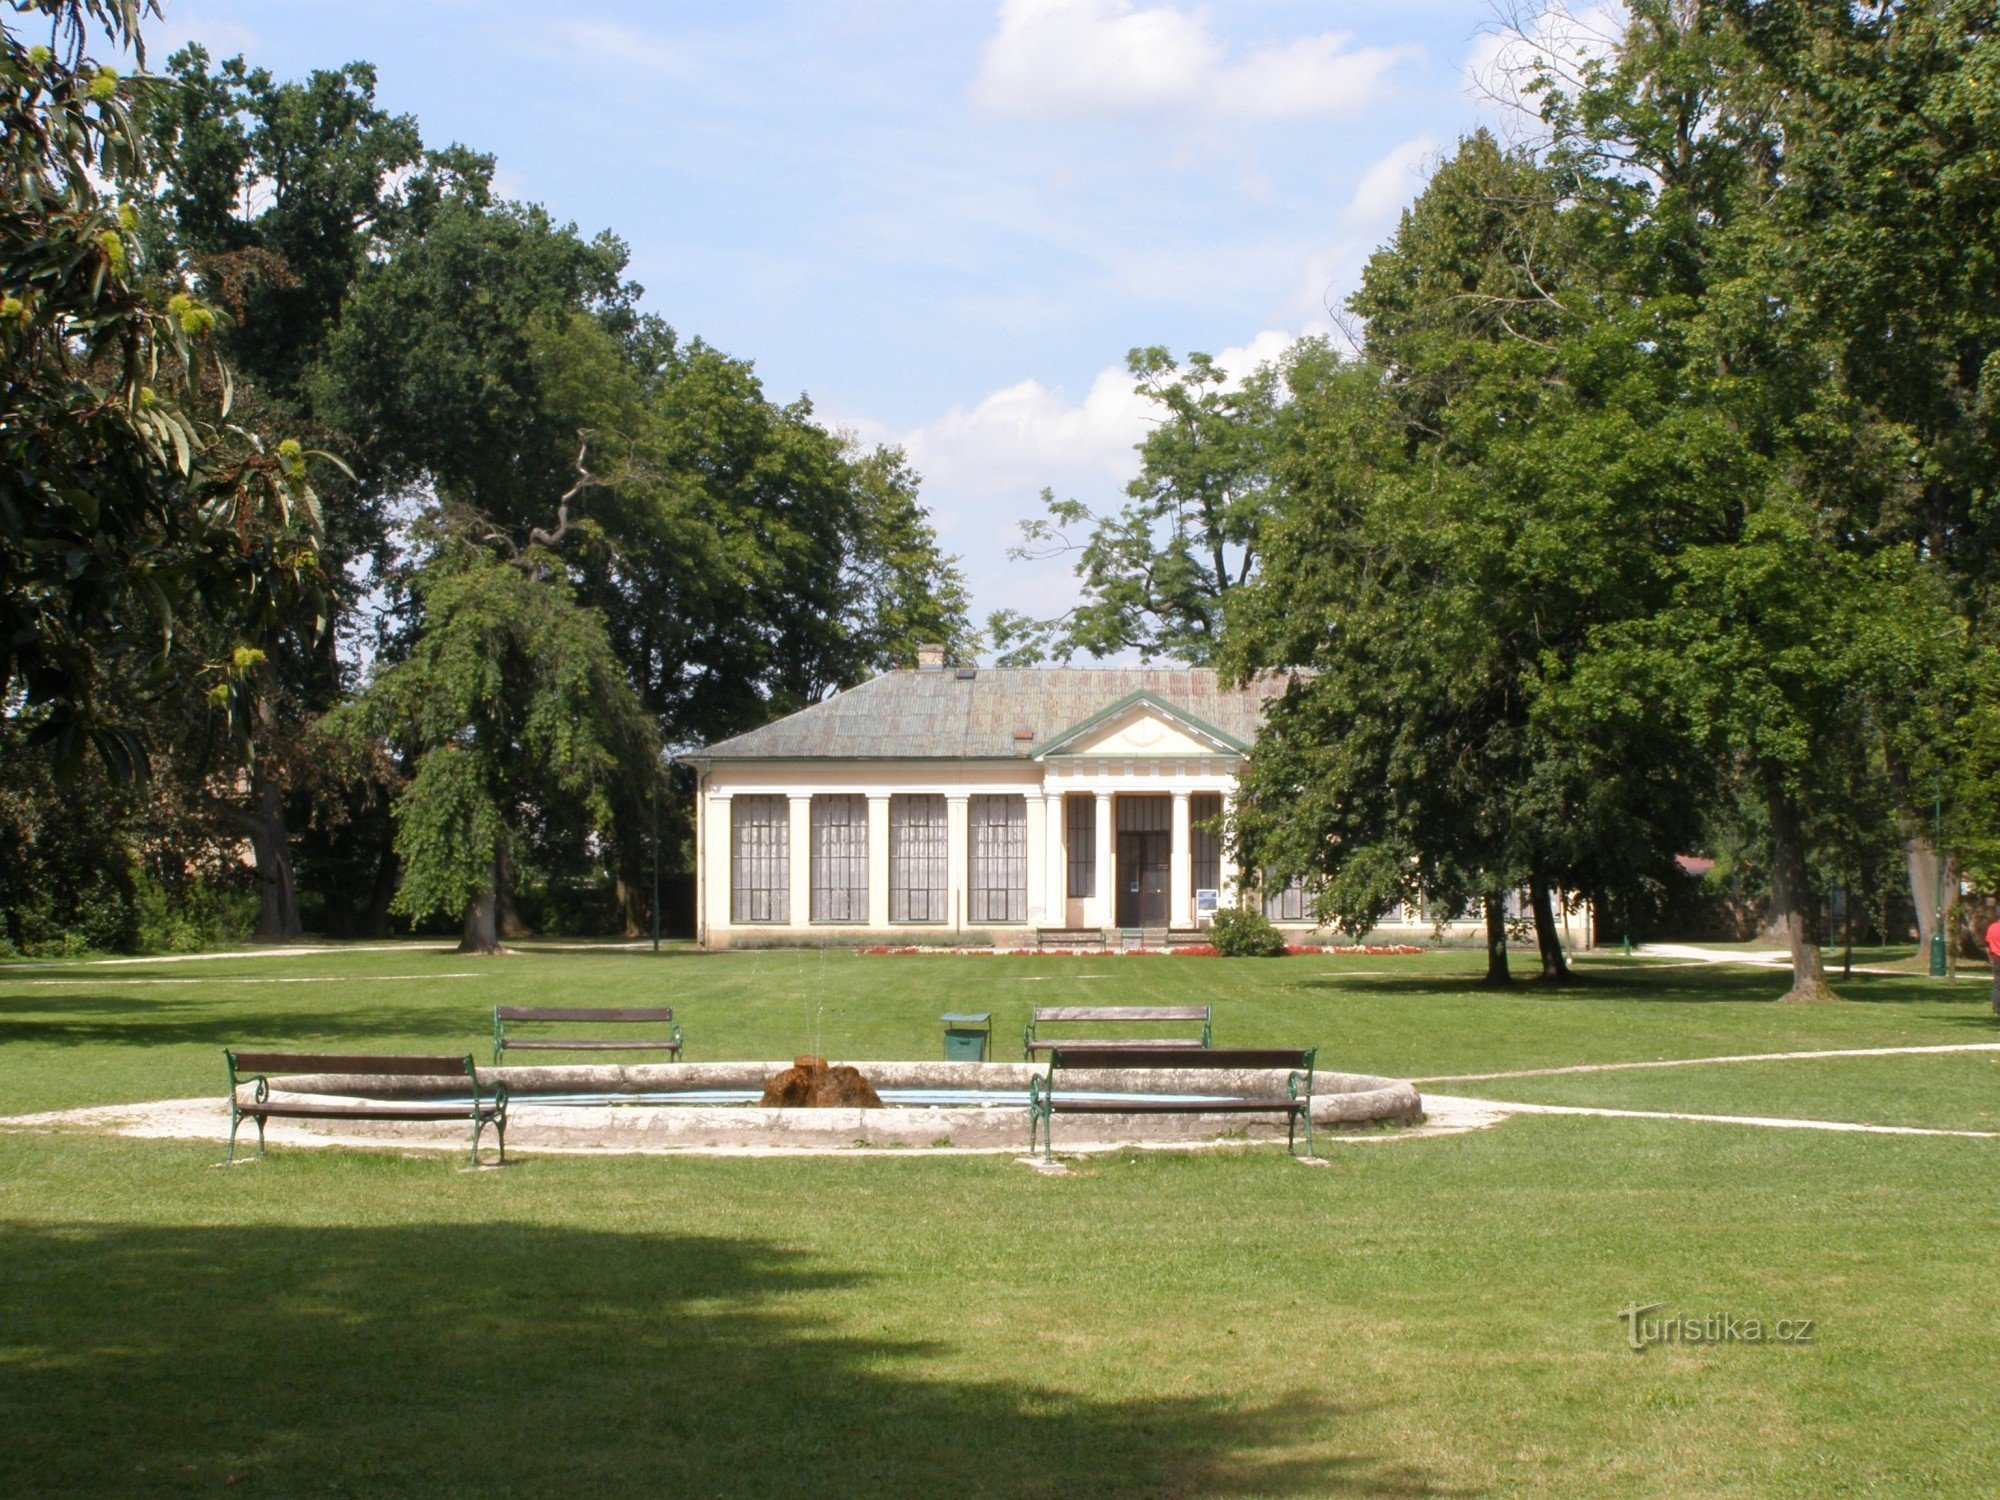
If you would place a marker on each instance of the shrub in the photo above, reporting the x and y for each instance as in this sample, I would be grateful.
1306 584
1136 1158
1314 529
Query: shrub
1244 932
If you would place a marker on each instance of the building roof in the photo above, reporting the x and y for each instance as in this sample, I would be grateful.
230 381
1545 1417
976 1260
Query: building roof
963 713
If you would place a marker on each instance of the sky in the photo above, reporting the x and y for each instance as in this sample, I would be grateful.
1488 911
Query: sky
946 221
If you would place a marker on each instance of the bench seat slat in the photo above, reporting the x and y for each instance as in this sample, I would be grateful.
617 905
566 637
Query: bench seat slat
1175 1106
1150 1044
1048 1014
1135 1056
349 1062
364 1111
568 1013
611 1044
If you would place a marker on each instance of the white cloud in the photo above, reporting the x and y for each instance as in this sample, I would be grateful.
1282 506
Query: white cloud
182 25
1052 58
984 467
1388 186
1553 37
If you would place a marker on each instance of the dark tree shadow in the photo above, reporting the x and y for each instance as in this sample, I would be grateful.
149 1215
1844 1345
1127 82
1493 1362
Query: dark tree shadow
506 1358
1705 985
90 1020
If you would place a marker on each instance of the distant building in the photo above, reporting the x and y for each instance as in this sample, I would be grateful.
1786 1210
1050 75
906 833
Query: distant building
1019 802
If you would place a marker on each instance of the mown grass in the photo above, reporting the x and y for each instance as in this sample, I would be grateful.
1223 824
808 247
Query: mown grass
1424 1316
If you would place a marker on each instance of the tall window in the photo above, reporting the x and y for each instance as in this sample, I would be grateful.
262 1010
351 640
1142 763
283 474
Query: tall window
760 859
997 828
1080 828
1147 814
1205 847
840 859
918 863
1287 903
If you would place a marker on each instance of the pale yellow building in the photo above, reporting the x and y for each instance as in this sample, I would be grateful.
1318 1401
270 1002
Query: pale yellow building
924 804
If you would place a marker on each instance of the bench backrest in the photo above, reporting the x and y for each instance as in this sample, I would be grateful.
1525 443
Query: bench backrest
571 1013
402 1064
1050 1014
1293 1058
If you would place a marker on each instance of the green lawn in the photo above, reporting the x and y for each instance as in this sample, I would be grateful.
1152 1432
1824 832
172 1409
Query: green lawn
1426 1316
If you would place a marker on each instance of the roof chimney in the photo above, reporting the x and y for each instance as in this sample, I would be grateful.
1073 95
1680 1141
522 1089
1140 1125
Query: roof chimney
930 658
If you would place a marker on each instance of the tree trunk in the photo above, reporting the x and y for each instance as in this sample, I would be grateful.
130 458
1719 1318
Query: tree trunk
1920 853
387 870
632 912
1789 911
277 891
508 919
1497 975
1555 963
482 920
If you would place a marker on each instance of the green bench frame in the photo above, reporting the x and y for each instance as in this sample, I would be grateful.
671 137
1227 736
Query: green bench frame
486 1107
1064 1015
1045 1102
560 1015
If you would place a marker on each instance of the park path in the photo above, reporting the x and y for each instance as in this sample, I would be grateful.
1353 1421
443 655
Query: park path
1691 1062
1448 1112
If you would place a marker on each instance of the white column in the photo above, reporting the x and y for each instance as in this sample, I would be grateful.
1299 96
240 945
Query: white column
1037 834
956 846
1180 867
801 858
1057 855
1106 914
1227 896
713 856
878 861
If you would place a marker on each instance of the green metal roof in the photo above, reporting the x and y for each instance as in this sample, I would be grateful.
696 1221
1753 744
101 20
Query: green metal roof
972 714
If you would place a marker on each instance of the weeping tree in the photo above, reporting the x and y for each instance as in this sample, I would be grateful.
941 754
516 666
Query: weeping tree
510 703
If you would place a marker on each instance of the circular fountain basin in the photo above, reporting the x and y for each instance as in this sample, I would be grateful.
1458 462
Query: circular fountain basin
930 1105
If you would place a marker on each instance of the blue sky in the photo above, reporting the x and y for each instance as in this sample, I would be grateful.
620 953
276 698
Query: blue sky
945 220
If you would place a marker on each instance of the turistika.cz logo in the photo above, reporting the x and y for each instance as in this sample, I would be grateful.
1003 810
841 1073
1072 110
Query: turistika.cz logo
1643 1328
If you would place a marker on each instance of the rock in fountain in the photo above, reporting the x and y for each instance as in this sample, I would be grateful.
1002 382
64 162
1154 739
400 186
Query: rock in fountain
810 1084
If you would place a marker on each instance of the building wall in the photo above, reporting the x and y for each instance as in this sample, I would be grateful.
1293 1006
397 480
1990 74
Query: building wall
1043 784
1097 774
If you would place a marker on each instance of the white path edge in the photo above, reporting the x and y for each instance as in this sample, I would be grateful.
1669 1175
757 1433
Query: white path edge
1450 1106
1691 1062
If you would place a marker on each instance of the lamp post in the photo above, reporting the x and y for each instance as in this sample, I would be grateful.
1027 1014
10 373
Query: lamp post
655 841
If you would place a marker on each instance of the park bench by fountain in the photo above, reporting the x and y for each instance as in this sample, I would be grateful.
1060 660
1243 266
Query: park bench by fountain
565 1015
1060 1092
1055 1015
310 1070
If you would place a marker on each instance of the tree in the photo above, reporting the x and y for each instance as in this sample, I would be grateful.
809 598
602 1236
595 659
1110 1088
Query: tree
1460 506
510 706
128 490
1157 573
1701 133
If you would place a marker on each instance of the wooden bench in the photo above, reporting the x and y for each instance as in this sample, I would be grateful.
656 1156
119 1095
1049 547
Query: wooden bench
1069 937
568 1015
1064 1015
1046 1100
484 1107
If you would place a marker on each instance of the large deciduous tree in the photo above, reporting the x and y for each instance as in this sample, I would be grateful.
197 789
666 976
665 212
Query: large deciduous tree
1157 573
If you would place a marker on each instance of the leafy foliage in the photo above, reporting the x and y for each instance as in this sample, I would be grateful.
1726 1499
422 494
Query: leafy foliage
1245 932
1157 573
128 491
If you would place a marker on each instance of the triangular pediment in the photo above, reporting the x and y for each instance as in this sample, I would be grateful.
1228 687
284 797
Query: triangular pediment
1142 727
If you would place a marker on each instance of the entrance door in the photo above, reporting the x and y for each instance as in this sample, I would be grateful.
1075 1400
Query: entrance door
1143 860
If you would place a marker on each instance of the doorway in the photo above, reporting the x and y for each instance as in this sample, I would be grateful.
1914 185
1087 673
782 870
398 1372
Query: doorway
1145 856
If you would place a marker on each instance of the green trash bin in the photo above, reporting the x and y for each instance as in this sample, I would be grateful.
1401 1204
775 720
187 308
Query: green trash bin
967 1035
